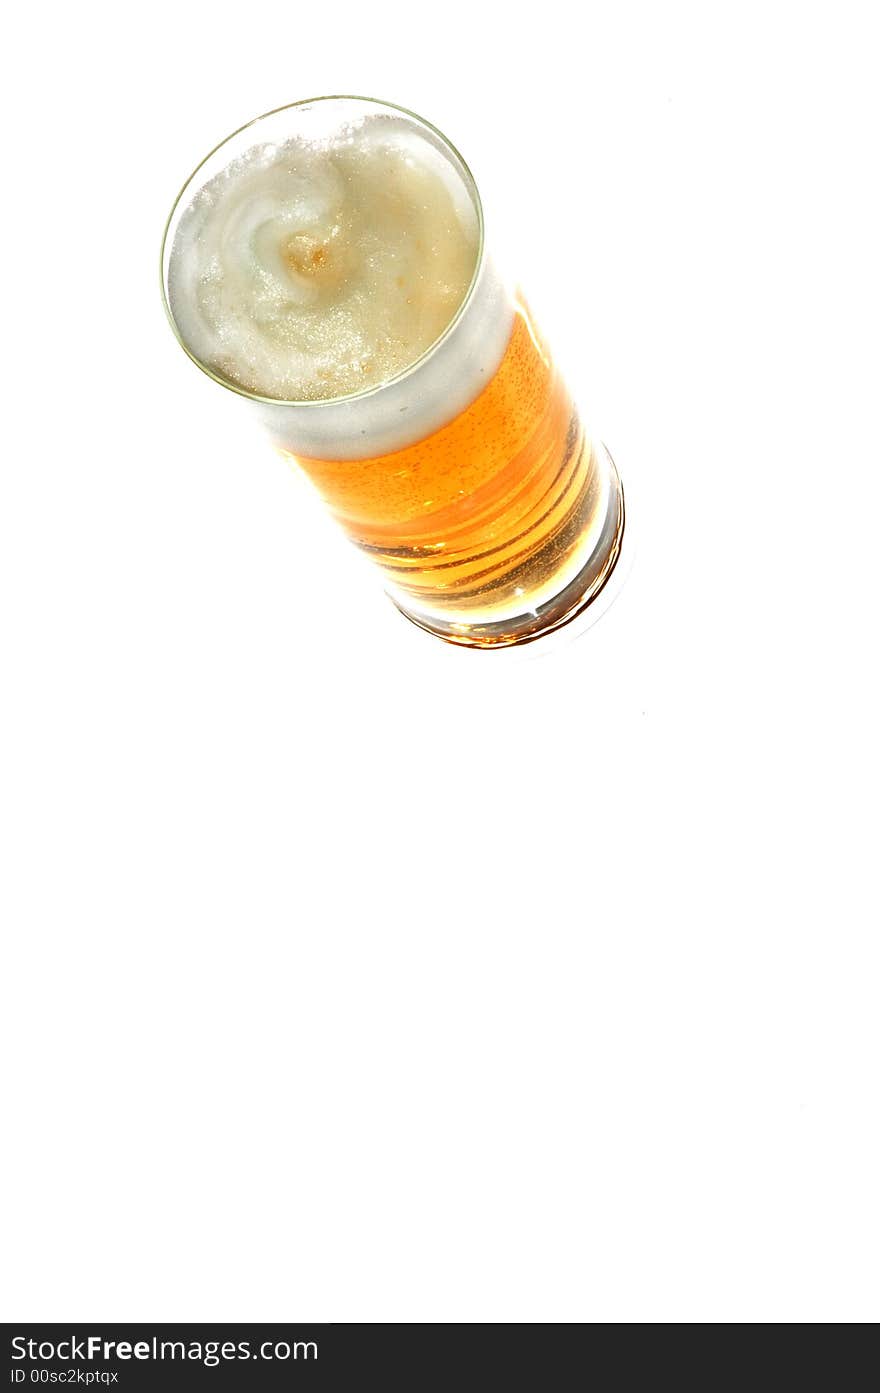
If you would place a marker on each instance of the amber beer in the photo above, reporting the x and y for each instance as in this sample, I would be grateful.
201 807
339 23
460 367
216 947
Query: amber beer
475 525
444 441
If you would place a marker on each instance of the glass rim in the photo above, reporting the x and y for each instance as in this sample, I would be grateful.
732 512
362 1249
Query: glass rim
432 347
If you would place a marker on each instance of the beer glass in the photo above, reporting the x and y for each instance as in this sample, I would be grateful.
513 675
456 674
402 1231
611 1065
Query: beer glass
468 478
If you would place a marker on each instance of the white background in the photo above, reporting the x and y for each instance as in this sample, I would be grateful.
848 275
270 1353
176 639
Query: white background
352 976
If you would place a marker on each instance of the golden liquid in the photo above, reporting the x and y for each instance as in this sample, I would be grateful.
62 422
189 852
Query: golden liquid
504 522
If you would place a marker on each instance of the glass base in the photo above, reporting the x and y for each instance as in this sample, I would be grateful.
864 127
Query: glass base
570 602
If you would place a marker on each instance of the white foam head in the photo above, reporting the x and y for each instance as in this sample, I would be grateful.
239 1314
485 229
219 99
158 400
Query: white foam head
317 256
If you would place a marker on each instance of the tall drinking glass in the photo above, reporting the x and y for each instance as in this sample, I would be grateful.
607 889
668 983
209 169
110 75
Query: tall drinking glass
467 476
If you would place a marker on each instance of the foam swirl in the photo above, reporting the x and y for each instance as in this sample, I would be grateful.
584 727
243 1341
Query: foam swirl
310 270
